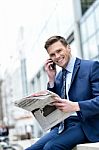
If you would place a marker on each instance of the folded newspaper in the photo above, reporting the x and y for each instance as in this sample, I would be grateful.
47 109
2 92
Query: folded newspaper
40 104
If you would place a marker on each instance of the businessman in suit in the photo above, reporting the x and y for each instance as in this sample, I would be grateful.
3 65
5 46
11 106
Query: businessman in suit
81 99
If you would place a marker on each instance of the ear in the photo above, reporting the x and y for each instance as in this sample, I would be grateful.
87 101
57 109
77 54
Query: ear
68 46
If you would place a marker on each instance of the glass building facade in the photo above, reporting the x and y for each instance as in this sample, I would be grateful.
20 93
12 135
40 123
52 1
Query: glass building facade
89 26
85 5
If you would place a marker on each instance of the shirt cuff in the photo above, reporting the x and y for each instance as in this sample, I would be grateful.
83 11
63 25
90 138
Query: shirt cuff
50 84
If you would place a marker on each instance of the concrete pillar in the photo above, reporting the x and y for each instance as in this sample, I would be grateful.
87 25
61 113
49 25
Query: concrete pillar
77 34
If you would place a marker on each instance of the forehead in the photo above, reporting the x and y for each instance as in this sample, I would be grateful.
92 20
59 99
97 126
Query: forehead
55 46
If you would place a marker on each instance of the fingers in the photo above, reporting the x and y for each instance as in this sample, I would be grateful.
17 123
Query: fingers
58 101
49 65
59 105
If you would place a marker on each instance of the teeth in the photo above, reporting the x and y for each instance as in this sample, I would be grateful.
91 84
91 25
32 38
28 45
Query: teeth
60 60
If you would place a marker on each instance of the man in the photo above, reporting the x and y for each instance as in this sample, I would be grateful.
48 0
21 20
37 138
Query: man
82 97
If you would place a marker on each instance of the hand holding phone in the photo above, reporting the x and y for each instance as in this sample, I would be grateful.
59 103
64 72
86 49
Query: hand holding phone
53 66
50 68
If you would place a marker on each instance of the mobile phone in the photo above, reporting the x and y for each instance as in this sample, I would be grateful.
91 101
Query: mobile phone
53 66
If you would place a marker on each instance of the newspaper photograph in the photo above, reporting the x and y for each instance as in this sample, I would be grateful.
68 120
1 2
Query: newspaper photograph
40 104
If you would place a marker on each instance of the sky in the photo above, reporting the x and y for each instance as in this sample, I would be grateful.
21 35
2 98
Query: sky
17 13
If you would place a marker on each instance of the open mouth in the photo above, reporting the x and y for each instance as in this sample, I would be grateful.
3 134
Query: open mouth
60 61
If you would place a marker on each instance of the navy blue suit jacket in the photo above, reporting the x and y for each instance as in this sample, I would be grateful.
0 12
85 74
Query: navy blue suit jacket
84 89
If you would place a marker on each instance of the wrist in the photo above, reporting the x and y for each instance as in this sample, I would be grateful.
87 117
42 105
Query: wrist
51 84
77 108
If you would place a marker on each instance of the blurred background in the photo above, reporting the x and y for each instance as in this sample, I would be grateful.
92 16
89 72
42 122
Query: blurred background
24 28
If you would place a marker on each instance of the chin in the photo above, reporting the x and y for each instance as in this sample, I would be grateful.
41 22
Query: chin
61 66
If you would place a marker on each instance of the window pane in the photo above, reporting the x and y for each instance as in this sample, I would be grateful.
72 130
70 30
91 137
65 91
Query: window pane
93 47
83 31
74 49
97 39
91 25
85 51
97 17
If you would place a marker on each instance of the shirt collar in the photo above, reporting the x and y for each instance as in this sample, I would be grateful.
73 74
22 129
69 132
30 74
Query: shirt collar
70 65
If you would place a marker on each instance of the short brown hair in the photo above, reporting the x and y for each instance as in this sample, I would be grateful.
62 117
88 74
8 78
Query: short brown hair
54 39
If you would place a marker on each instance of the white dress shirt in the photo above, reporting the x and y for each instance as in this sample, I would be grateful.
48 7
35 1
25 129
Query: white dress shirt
69 69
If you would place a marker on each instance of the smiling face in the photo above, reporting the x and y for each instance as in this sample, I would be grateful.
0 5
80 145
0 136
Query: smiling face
59 53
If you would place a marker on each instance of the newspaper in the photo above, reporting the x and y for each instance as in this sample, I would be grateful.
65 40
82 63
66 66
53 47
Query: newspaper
40 104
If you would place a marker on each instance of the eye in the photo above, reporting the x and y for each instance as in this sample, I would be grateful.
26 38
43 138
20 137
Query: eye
52 55
59 50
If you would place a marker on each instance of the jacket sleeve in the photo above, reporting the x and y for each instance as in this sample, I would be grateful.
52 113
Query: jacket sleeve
51 88
90 108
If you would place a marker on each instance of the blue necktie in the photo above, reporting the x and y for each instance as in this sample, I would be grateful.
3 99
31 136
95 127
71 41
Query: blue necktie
63 92
63 95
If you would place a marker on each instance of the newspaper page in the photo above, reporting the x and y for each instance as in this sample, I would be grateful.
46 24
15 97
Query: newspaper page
40 104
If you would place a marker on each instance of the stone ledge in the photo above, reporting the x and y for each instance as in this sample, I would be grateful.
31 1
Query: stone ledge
89 146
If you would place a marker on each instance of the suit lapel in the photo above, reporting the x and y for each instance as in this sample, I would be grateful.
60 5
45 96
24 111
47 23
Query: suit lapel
76 67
